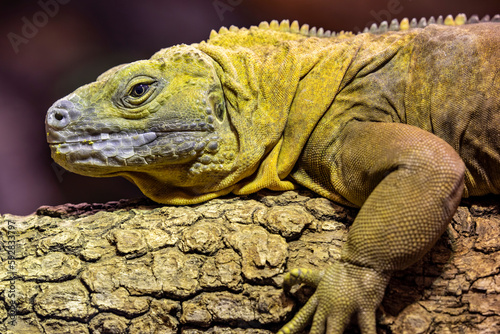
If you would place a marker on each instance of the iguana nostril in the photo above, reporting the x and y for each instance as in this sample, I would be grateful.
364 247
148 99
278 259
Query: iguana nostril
61 114
58 116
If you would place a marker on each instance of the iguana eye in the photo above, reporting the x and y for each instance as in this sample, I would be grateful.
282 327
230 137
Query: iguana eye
139 93
139 90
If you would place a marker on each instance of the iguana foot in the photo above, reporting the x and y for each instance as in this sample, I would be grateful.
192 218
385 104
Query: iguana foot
343 290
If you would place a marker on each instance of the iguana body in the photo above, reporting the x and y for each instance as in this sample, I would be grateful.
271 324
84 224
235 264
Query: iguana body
400 124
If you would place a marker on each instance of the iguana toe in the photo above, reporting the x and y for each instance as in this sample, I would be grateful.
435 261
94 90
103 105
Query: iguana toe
302 318
309 277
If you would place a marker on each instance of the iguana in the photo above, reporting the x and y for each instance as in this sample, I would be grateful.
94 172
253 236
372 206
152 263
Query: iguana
401 121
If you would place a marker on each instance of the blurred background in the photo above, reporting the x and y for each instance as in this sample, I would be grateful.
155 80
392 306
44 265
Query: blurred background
48 48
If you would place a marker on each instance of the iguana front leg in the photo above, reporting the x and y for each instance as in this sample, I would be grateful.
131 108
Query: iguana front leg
408 183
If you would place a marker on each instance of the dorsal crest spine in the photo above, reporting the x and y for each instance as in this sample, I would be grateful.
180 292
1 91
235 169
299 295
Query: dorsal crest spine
394 25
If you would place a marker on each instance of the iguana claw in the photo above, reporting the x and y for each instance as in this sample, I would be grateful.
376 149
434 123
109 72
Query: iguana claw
343 290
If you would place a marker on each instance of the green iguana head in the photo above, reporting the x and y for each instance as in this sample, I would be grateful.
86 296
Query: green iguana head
159 122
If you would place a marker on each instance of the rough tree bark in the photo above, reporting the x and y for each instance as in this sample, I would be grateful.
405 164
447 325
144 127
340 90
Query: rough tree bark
136 267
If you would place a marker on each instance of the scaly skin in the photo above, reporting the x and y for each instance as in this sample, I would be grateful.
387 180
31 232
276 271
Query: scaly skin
398 123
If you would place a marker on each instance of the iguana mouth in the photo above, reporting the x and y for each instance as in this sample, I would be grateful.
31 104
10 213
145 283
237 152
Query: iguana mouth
132 148
137 139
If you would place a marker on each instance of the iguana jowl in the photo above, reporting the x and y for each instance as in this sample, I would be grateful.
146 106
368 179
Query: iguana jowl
400 121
